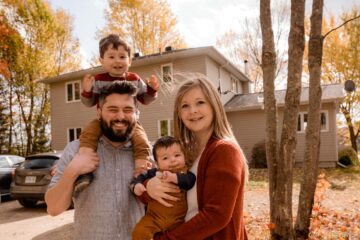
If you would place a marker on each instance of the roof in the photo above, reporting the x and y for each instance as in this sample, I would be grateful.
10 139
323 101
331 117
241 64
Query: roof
161 57
330 93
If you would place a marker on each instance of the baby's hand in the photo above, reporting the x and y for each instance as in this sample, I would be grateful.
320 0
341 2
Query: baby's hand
168 176
139 189
153 82
88 82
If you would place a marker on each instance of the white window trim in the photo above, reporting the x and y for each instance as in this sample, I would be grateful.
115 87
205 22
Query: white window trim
168 128
172 70
73 88
326 112
68 133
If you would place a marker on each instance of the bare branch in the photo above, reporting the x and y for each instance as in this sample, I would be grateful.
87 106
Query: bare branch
334 29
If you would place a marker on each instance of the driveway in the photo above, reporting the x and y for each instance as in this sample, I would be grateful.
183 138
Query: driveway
19 223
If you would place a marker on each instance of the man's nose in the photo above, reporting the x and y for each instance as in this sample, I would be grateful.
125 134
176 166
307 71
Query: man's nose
120 115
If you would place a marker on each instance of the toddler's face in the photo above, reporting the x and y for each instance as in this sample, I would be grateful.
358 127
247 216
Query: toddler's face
116 61
170 158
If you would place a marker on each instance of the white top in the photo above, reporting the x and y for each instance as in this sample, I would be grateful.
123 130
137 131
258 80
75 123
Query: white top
192 202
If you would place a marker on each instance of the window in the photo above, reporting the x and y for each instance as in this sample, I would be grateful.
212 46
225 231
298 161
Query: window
73 91
235 85
73 134
166 127
166 72
303 120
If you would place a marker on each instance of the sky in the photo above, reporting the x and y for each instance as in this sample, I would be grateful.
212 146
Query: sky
200 22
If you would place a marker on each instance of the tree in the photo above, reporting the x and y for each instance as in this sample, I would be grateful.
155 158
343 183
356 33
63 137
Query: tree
148 26
281 168
341 63
312 148
47 50
246 45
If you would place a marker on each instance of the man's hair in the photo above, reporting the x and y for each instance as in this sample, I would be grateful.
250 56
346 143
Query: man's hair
164 142
119 87
115 41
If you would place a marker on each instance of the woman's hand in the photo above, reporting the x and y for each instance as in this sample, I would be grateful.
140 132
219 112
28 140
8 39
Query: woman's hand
160 190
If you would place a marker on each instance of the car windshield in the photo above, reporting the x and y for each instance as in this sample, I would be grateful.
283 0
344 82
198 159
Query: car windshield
35 163
4 163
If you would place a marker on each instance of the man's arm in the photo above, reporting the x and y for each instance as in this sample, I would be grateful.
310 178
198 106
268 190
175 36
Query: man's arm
58 197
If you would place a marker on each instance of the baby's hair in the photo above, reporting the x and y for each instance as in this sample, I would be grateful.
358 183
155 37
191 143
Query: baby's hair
164 142
115 41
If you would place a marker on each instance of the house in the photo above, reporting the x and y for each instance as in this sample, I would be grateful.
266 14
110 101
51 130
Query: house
69 116
247 115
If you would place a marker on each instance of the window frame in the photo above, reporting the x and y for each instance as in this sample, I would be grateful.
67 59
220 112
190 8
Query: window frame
170 65
303 129
72 83
76 135
170 123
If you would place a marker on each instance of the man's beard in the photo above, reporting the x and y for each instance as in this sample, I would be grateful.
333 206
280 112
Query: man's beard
117 135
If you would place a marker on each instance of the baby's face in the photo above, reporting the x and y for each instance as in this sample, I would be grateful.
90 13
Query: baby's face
170 158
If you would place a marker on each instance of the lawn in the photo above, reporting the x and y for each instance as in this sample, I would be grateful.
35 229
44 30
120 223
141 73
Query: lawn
336 212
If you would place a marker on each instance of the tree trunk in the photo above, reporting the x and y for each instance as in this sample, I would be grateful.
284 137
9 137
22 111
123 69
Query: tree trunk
283 198
311 161
353 136
269 68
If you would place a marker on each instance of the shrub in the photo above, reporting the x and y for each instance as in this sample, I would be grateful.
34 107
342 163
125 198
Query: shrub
258 155
348 156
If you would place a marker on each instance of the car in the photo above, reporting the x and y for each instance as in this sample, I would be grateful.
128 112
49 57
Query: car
32 177
7 165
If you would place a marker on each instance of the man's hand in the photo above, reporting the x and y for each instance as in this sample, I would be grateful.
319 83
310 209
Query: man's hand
84 162
88 82
159 190
153 82
141 166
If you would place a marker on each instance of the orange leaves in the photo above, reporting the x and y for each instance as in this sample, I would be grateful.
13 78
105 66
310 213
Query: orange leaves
271 226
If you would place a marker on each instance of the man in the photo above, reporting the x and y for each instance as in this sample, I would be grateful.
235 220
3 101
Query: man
106 209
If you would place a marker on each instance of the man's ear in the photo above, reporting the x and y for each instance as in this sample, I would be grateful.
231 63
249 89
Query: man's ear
101 60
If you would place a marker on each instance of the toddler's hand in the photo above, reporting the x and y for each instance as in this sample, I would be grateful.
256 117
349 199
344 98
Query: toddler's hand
153 82
88 82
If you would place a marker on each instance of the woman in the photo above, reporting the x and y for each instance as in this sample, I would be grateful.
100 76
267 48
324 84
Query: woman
215 205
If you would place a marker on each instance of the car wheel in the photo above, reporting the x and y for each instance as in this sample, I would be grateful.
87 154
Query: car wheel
27 203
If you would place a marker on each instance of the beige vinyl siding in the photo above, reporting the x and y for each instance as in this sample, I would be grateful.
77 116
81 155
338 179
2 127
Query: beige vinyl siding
162 108
216 73
249 129
66 115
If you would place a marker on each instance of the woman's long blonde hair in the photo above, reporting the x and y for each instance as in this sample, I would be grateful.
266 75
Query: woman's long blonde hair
221 126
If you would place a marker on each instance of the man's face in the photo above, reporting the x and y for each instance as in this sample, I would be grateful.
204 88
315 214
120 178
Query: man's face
118 117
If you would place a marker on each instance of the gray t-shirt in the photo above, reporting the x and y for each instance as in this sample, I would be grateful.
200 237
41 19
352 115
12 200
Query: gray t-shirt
106 209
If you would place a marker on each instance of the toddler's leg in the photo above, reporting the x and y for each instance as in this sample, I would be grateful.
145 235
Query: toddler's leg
88 143
141 150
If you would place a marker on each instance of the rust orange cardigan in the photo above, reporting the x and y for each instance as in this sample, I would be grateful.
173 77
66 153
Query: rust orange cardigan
220 192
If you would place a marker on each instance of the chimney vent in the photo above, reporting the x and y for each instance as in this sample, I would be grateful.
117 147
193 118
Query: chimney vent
136 55
168 49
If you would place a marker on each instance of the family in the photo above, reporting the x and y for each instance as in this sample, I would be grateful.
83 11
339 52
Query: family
193 190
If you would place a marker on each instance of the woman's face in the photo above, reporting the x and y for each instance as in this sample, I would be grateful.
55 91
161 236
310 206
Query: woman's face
196 112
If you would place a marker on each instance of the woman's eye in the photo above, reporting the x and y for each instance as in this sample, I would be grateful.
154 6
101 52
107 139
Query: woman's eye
184 106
